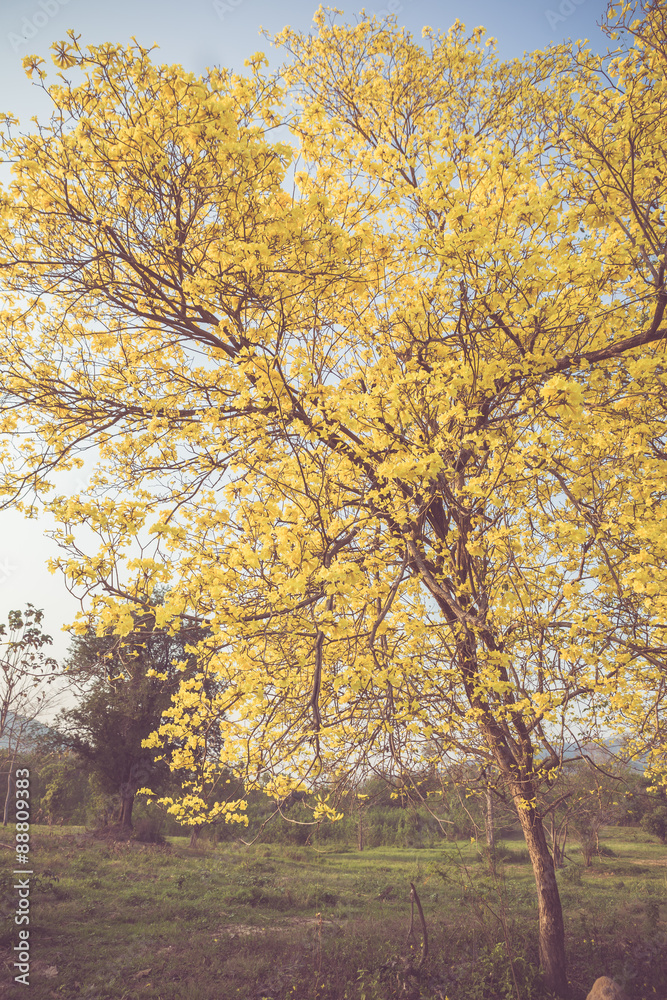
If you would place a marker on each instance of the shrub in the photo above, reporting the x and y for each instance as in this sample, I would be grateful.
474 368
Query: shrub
149 831
655 822
571 875
605 852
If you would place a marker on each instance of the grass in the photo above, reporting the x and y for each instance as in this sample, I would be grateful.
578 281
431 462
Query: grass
119 921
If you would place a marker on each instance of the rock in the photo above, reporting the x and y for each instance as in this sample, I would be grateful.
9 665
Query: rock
605 988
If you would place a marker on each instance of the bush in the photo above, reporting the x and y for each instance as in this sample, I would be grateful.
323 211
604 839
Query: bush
66 790
571 875
605 852
512 855
149 831
655 822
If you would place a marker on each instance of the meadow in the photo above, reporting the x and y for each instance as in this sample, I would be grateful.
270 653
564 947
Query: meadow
114 920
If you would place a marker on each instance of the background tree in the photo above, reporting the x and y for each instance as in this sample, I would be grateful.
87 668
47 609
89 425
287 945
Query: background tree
65 790
394 436
125 687
654 819
586 796
645 805
25 675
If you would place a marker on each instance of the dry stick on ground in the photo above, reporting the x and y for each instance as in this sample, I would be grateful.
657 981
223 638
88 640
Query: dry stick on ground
414 898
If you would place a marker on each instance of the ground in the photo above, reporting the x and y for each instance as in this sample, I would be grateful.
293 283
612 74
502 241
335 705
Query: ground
121 920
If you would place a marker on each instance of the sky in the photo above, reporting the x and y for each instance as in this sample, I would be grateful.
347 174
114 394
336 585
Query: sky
199 34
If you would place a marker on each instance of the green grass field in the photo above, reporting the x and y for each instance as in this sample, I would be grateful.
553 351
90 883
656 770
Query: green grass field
125 920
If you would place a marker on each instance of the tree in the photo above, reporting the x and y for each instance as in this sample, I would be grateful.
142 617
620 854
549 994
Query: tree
396 436
25 673
585 798
65 787
126 687
654 819
645 806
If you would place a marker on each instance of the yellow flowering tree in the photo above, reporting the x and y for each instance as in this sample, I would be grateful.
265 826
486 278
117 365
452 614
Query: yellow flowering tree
371 356
189 736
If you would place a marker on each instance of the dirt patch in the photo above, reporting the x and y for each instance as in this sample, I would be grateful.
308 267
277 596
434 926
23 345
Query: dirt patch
316 925
312 924
241 930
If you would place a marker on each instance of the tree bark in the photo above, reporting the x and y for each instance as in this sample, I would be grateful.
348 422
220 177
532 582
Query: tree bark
125 819
550 911
194 836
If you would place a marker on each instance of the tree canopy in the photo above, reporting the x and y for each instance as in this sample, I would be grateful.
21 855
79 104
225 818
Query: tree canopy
372 356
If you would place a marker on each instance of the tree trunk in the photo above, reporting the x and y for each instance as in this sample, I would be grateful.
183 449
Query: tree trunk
194 836
490 831
5 817
550 912
125 819
555 844
562 846
514 762
360 832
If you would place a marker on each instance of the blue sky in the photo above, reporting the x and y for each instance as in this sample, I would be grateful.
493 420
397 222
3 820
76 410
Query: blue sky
196 35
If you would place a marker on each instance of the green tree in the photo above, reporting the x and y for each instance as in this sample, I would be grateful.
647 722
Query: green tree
65 786
25 675
654 817
126 685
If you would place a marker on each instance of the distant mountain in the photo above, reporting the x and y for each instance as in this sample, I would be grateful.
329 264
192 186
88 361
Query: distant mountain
607 751
33 732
